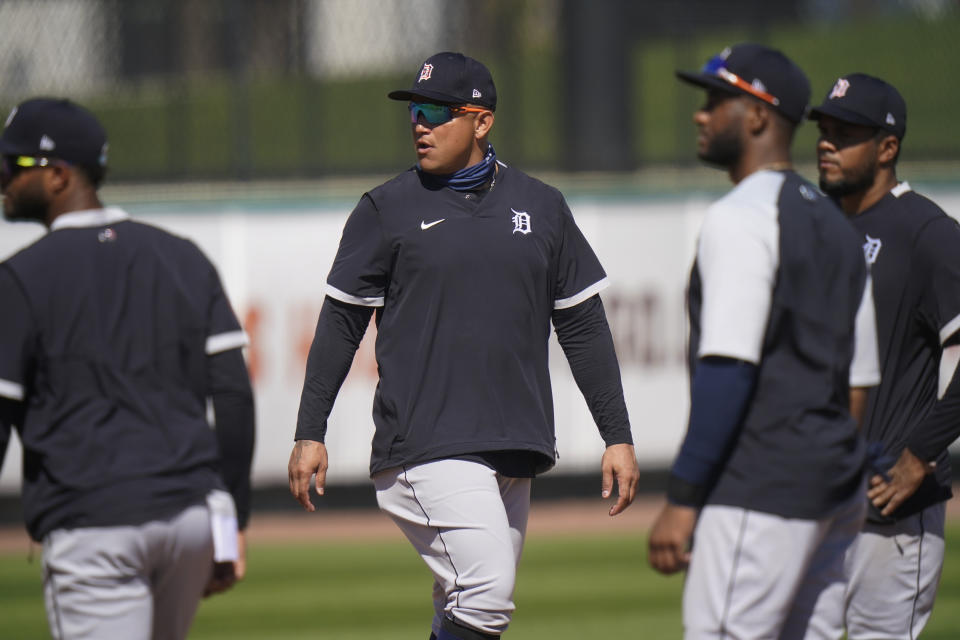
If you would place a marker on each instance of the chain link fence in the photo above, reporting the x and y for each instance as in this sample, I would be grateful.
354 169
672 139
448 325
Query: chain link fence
259 89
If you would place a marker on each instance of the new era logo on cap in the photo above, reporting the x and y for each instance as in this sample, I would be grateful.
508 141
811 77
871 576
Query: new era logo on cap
451 78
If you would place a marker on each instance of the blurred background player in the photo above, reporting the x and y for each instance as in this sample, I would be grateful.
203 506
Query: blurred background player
913 248
466 262
770 473
113 336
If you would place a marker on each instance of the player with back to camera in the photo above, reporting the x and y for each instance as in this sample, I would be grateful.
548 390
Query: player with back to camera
769 480
466 262
913 248
113 336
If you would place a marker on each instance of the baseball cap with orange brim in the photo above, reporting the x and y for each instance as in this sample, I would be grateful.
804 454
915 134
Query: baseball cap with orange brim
758 71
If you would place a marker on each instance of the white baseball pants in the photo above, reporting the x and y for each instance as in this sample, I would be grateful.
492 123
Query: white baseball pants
138 582
893 572
757 576
468 524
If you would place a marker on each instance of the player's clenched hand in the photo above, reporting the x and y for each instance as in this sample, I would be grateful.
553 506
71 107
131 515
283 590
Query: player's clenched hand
905 475
221 578
620 462
226 574
307 458
669 545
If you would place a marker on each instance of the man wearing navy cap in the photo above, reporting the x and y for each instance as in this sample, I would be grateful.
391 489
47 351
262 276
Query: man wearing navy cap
466 262
768 483
913 415
113 336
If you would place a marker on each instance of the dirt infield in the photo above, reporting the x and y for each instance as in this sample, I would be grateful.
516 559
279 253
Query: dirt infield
550 517
554 517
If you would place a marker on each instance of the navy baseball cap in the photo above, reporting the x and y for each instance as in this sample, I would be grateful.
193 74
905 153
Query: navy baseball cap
861 99
451 78
56 128
758 71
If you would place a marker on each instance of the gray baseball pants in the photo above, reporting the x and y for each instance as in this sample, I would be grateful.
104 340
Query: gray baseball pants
132 582
894 571
468 523
758 576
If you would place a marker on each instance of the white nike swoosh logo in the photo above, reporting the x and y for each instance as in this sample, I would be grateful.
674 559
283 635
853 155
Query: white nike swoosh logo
427 225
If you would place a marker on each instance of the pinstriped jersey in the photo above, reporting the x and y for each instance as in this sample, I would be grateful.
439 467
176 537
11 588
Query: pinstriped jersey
779 282
914 251
104 335
464 287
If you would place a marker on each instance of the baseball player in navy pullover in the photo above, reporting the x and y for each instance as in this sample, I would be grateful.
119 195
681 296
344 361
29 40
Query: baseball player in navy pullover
467 262
913 247
113 336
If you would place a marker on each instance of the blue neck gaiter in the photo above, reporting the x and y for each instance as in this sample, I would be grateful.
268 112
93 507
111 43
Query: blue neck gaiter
467 179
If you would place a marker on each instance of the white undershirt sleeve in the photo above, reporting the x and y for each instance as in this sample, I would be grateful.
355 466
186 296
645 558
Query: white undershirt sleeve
737 258
865 367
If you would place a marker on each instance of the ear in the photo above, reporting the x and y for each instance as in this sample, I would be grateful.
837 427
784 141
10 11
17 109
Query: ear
887 149
58 179
757 117
482 124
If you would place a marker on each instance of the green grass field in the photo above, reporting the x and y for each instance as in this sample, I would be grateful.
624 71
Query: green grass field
569 588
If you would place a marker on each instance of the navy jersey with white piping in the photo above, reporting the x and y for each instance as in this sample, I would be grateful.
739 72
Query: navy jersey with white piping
464 286
105 335
914 251
779 282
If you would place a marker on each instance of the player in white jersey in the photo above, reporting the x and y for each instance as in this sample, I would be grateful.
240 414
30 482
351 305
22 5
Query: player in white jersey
768 485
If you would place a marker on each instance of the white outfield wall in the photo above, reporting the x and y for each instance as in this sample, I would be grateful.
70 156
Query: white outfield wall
274 257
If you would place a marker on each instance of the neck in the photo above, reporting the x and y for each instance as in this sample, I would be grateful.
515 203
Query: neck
856 203
76 202
750 163
478 152
470 178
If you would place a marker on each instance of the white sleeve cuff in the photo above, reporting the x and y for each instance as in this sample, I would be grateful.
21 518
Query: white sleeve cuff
949 329
574 300
11 390
226 341
342 296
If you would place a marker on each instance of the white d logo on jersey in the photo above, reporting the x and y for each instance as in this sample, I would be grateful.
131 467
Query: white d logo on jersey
521 221
871 248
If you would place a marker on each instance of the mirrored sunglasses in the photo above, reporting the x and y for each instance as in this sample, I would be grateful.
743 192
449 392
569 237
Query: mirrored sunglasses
11 166
438 113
